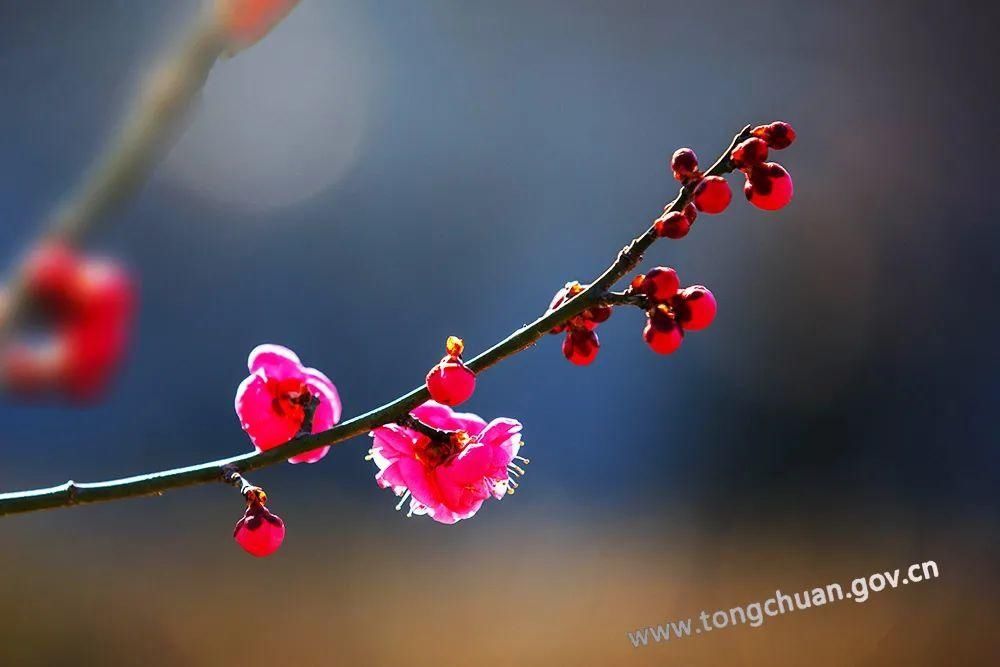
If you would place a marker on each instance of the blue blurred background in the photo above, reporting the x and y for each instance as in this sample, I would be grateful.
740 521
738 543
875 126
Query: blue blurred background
373 177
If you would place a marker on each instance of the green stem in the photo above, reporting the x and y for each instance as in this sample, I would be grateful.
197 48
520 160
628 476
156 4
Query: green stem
74 493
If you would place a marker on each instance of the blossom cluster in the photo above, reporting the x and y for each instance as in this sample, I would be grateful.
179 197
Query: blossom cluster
446 464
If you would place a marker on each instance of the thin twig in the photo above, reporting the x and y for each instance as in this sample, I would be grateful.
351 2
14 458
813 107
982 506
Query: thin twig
252 492
627 298
435 434
74 493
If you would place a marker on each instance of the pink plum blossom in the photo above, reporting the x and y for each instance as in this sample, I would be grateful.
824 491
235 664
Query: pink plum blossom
449 478
271 401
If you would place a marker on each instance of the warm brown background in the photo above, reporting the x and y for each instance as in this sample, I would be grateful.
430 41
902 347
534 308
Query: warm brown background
511 595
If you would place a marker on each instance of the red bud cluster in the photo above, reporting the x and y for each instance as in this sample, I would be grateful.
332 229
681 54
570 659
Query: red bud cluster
768 185
581 344
672 311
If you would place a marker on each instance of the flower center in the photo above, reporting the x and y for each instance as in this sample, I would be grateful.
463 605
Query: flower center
288 397
439 450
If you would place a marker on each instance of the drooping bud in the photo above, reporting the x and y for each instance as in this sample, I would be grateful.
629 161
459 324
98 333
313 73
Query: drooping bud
259 532
581 346
662 333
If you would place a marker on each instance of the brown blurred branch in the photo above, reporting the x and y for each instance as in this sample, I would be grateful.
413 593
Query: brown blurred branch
127 161
72 493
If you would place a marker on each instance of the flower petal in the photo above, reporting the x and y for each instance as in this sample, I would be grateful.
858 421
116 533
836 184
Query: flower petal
504 435
470 467
393 441
389 477
442 417
311 456
446 515
464 499
274 361
414 476
330 399
262 424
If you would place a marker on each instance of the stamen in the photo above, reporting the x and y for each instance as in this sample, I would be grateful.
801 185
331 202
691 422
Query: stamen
513 483
403 500
521 458
519 469
512 473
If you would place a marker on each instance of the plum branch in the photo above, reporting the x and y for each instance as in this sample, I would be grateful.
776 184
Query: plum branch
225 470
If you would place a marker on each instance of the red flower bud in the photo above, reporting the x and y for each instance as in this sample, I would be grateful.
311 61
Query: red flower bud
674 225
581 346
695 307
712 195
768 186
750 153
778 134
451 382
259 532
684 164
662 333
691 212
660 284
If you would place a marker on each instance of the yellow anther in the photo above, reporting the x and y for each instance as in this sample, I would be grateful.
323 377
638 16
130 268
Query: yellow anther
461 439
